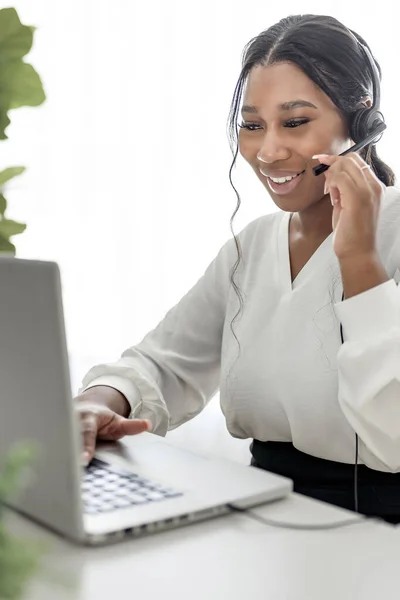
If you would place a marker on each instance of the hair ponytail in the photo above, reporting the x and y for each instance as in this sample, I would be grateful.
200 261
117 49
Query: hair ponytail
383 172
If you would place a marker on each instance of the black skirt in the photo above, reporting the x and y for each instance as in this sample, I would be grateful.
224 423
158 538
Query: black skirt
330 481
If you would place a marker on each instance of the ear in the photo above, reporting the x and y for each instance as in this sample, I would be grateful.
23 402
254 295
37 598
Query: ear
366 102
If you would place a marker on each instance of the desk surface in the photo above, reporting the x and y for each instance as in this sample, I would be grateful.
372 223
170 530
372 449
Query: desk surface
232 557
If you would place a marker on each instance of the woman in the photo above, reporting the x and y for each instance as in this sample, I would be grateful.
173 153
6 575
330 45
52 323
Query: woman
313 405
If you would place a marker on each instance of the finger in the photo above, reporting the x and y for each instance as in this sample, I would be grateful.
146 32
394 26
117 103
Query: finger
356 171
120 427
351 162
342 188
368 173
133 426
326 159
89 434
350 166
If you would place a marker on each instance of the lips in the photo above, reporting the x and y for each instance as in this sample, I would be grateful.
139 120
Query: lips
287 187
278 175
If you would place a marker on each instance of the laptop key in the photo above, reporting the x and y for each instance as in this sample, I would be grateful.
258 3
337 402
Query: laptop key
137 499
110 487
86 497
153 496
122 493
97 482
121 503
133 486
91 510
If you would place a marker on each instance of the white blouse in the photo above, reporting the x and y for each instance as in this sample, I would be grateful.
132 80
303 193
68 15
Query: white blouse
294 380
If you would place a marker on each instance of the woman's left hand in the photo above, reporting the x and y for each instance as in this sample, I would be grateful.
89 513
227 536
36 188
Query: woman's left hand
356 195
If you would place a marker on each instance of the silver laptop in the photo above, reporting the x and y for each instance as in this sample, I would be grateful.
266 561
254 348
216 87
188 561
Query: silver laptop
140 485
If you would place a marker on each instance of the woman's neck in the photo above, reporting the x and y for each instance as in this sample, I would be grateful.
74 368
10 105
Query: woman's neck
314 222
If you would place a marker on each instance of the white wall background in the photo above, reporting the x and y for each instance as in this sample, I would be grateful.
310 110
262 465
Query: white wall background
127 184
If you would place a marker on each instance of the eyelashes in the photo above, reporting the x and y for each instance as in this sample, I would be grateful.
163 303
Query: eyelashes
291 124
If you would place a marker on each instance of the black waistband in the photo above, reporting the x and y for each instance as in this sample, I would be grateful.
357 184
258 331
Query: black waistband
330 481
284 459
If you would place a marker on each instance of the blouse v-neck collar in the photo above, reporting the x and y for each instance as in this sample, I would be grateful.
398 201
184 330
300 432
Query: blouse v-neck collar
314 262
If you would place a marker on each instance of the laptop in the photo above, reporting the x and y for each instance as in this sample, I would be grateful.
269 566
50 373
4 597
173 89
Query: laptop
139 485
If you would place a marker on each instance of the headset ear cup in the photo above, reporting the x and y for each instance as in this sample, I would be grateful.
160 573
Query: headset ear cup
375 119
358 127
364 122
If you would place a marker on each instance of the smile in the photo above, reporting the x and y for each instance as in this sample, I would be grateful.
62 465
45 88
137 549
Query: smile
285 185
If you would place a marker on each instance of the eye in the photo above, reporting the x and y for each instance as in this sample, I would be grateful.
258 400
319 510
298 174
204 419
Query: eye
296 122
247 126
289 124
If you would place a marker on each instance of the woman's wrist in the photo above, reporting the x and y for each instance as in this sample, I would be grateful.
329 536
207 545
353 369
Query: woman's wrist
107 396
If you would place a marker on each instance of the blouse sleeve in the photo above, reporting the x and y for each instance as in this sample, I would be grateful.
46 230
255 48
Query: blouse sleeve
174 371
369 370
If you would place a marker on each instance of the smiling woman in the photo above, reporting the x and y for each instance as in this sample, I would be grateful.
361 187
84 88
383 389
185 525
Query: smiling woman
304 79
297 391
299 101
284 135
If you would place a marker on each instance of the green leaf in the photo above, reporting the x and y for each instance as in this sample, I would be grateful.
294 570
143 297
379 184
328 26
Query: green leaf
19 559
7 246
19 457
4 123
3 205
9 173
20 85
15 39
9 228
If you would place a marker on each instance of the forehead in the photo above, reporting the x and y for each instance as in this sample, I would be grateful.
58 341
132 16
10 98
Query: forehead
270 86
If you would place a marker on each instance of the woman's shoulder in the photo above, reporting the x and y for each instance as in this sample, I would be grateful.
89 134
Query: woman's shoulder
263 224
253 237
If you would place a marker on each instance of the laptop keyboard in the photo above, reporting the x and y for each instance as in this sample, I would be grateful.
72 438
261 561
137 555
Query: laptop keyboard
105 489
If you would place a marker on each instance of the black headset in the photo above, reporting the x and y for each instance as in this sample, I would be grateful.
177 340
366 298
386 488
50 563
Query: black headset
366 124
366 120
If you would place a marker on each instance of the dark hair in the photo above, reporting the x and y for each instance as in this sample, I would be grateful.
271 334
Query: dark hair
329 55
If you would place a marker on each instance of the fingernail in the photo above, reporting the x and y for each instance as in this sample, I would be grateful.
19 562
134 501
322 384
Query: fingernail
326 188
320 156
334 197
85 459
149 425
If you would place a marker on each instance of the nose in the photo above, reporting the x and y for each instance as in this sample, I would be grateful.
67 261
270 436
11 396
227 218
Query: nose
272 149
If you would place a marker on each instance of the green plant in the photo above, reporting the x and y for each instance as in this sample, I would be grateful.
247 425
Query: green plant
20 85
18 559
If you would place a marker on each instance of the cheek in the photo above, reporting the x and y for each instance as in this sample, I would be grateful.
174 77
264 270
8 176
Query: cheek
340 145
332 137
249 145
245 148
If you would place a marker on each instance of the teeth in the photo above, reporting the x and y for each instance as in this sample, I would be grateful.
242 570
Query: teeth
283 179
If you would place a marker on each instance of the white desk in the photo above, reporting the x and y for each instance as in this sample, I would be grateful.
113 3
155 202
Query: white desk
233 558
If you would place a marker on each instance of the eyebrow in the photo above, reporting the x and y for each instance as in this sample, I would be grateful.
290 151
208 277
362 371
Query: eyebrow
285 106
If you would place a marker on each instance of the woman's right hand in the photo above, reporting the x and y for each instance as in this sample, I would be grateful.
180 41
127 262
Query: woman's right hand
102 411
